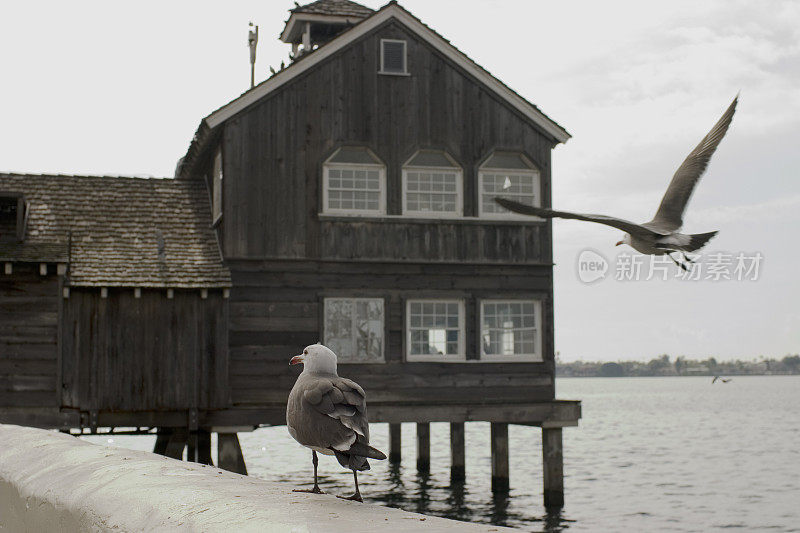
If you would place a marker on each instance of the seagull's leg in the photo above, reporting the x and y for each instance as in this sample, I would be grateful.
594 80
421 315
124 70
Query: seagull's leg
687 258
357 496
316 489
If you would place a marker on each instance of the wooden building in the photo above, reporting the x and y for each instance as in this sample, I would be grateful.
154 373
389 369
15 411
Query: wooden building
347 199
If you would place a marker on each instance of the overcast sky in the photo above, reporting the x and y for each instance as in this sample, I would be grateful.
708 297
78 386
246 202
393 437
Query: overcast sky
119 88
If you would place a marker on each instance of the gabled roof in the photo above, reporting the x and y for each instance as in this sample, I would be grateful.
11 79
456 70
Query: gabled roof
113 231
390 11
334 7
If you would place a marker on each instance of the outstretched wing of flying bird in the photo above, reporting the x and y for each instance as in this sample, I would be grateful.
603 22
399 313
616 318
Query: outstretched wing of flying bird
669 216
619 223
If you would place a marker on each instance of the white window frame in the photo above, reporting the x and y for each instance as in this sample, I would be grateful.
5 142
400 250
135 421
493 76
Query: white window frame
405 58
536 357
381 168
354 299
537 187
457 358
459 172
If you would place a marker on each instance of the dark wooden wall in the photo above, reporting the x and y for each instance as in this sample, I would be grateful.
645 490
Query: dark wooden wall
148 353
28 338
273 152
276 311
285 256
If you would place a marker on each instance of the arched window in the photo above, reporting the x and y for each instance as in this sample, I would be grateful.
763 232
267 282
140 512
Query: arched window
432 185
512 176
354 182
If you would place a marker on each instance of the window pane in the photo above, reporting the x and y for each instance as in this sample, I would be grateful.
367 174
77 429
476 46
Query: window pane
431 192
514 185
353 188
434 328
354 328
508 328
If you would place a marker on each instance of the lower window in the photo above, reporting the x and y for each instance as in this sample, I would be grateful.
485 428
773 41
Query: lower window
354 329
435 330
511 330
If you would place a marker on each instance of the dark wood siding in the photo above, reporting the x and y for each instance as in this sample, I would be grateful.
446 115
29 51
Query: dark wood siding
273 154
148 353
276 310
28 338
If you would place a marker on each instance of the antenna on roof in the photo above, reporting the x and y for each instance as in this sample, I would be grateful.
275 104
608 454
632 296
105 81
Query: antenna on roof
252 41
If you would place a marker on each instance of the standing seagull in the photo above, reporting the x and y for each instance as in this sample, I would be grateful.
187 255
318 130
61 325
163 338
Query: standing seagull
329 414
659 236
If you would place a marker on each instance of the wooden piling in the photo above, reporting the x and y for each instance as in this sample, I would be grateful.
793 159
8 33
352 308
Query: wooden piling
176 443
204 447
553 463
499 437
457 452
191 447
229 453
162 438
423 446
395 442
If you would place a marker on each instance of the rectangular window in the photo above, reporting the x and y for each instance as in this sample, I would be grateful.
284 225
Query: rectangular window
432 191
522 187
393 57
511 330
354 189
354 329
435 330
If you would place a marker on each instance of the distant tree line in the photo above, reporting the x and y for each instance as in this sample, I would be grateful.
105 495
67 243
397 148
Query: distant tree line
680 366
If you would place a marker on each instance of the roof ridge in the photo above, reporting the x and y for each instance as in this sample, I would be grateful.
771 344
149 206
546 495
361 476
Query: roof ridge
85 176
330 6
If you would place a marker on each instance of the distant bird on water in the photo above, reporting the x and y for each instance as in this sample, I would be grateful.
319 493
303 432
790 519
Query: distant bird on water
721 379
660 236
329 414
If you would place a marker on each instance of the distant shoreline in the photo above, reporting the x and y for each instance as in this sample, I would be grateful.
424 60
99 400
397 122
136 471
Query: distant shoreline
663 366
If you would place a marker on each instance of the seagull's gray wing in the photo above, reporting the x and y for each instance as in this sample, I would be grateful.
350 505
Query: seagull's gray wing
669 216
619 223
341 399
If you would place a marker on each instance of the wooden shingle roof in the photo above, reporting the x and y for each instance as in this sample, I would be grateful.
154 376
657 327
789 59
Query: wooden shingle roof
344 8
116 232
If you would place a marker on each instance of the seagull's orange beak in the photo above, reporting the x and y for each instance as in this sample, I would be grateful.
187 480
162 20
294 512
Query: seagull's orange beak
297 359
620 242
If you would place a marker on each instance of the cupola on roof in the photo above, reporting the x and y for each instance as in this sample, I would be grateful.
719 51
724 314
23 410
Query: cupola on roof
319 22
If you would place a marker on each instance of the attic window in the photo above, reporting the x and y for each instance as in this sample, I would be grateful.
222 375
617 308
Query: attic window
12 212
393 57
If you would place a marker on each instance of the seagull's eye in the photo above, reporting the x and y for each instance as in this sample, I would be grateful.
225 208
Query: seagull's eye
305 352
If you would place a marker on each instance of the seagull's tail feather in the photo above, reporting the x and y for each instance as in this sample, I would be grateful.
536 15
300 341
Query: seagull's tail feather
698 240
356 457
365 450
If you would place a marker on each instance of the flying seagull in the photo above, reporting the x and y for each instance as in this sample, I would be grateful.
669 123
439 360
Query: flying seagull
721 379
329 414
660 236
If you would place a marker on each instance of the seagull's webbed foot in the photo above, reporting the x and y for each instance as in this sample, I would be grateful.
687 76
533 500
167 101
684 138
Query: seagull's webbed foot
315 490
354 498
687 258
357 496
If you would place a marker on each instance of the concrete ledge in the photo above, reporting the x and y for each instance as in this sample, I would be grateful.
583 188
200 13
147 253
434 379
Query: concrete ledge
54 482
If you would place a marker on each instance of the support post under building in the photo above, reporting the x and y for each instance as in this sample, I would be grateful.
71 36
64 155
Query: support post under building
553 464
